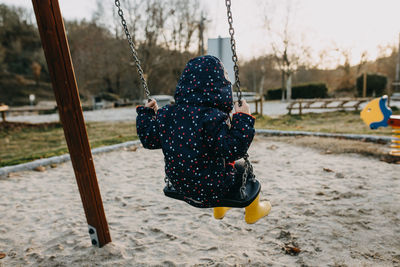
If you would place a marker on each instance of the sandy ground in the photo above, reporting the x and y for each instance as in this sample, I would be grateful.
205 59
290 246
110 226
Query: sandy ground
345 215
270 108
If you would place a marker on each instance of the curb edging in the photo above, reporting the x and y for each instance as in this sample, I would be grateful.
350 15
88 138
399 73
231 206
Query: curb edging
357 137
60 159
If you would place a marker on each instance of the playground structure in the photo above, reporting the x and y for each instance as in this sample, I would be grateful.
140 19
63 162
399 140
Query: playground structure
55 45
395 123
58 58
377 114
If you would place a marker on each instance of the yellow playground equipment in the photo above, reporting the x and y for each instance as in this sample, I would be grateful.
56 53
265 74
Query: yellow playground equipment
377 114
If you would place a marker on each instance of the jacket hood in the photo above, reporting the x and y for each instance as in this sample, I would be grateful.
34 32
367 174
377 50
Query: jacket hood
203 83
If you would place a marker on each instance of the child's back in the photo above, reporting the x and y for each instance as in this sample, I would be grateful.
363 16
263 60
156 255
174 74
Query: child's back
198 144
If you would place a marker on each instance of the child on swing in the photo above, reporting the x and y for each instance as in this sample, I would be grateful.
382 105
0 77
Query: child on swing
199 143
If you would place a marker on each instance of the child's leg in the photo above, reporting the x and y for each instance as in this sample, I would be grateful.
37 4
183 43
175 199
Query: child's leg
220 212
239 166
256 210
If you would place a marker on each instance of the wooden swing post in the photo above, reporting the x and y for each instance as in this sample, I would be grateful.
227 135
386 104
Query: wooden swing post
56 50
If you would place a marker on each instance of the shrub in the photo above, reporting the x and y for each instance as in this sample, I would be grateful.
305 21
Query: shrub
107 96
376 84
311 90
274 94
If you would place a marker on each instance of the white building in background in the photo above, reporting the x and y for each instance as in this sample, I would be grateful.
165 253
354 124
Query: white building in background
221 48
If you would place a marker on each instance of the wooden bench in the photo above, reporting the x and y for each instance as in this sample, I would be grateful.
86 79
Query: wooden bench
3 109
34 109
6 109
328 103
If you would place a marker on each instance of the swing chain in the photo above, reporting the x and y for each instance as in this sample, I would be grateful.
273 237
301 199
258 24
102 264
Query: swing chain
248 169
233 47
133 49
167 182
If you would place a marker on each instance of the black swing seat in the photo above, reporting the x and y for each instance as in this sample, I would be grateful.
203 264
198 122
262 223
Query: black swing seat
252 190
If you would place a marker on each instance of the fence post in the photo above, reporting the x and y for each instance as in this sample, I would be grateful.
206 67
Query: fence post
300 110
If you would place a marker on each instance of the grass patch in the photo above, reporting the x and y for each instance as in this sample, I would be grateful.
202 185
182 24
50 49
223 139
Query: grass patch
329 122
22 142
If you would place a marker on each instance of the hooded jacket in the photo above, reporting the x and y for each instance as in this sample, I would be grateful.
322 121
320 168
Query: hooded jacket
198 142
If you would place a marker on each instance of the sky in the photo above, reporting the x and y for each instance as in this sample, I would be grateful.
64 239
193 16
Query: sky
352 25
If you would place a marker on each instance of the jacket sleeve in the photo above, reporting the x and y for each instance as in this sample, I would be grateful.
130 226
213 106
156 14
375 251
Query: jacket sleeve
232 142
147 128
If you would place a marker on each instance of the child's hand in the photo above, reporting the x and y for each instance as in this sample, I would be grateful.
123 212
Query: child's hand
152 104
245 108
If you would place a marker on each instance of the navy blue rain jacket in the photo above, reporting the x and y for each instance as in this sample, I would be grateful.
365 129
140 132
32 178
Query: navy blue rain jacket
198 143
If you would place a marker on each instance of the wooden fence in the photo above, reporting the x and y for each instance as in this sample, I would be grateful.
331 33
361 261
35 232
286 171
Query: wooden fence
252 98
328 103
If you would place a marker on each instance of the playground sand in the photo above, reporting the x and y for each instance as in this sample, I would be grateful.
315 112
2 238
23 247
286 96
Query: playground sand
337 209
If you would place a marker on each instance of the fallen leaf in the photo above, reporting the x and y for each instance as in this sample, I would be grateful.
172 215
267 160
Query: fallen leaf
327 170
2 255
133 149
292 250
40 169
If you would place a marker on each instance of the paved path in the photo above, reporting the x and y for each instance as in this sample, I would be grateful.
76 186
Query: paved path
271 108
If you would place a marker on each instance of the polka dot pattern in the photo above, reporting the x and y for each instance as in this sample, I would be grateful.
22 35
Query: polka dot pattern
198 142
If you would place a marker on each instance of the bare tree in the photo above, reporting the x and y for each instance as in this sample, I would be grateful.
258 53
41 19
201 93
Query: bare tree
184 22
2 57
36 70
289 51
259 74
387 60
363 62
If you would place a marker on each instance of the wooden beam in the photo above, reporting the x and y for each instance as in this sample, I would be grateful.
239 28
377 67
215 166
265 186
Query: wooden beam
256 106
56 50
364 84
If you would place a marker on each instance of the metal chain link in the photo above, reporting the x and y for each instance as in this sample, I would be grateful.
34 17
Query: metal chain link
133 49
243 194
233 47
167 182
248 168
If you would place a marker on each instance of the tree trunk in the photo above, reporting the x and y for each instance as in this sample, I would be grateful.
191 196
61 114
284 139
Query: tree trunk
289 87
283 85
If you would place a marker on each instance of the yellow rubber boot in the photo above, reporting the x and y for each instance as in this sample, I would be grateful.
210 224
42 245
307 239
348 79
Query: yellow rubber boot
256 210
219 212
